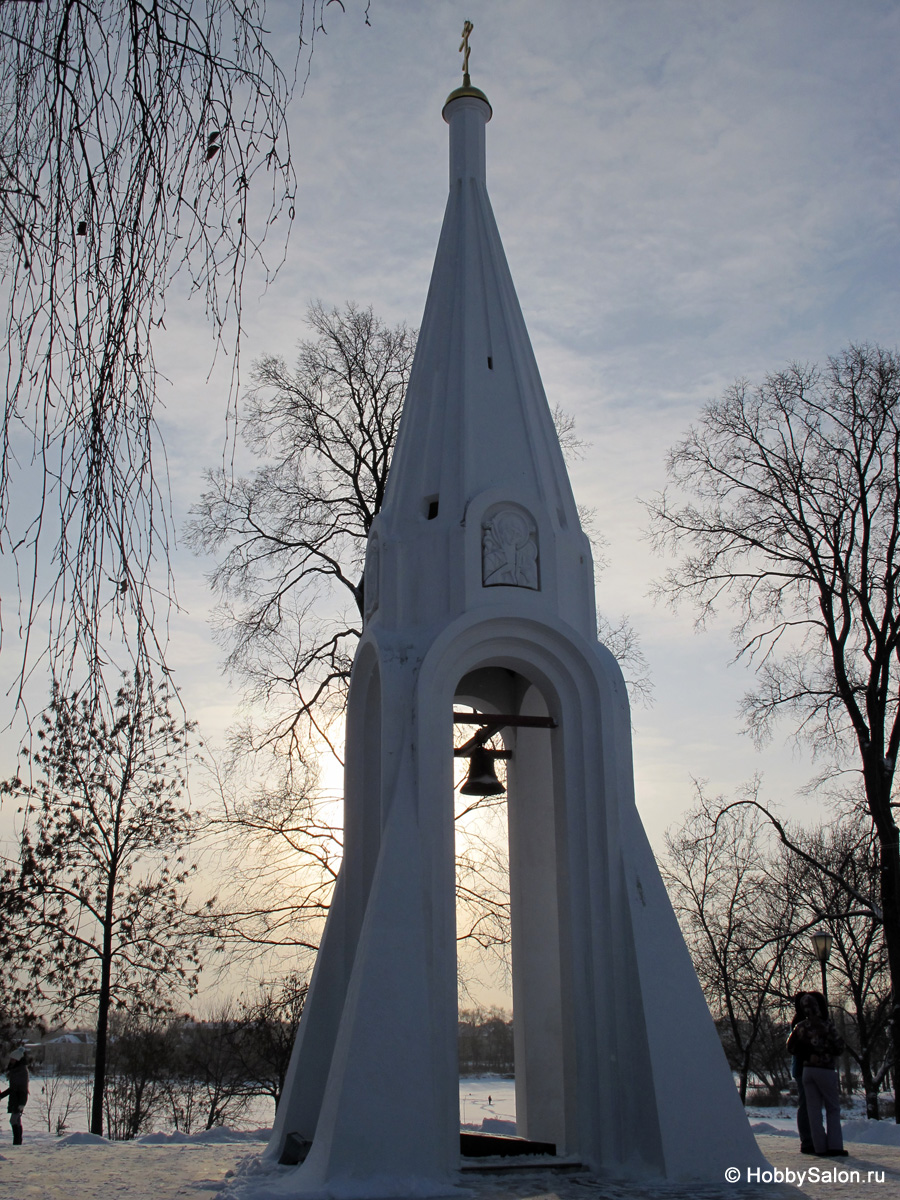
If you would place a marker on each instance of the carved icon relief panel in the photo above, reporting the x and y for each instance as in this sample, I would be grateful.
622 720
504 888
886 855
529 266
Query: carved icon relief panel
509 549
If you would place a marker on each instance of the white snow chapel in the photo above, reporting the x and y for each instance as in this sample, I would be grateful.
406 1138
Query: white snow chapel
479 594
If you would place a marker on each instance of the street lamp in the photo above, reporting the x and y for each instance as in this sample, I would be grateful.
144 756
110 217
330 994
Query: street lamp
821 944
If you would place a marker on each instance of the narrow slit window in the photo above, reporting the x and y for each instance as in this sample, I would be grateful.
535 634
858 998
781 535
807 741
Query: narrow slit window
490 363
431 507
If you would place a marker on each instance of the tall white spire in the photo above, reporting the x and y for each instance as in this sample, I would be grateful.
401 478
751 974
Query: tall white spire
476 420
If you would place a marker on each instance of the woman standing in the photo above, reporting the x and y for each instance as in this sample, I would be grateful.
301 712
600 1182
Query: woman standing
815 1040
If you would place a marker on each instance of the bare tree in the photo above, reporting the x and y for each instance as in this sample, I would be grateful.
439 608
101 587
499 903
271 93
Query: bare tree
279 846
794 522
841 861
137 141
738 920
266 1030
137 1086
55 1100
204 1081
485 1042
102 874
292 535
290 541
729 874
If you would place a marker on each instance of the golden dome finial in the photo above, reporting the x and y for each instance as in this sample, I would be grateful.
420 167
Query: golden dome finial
466 89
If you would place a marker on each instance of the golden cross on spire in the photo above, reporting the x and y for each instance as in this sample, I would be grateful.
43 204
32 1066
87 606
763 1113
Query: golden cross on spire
464 47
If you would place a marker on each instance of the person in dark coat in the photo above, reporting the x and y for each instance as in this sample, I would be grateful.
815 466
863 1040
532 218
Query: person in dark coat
797 1064
817 1042
17 1074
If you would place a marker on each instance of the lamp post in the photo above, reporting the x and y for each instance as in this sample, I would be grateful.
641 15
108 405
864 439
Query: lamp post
821 944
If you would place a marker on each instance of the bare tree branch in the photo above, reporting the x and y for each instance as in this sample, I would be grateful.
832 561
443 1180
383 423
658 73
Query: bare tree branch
139 140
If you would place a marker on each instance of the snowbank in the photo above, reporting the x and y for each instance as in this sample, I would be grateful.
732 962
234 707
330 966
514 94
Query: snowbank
781 1129
875 1133
219 1135
83 1139
872 1133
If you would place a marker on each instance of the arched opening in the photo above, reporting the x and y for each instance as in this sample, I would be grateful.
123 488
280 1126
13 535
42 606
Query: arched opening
536 896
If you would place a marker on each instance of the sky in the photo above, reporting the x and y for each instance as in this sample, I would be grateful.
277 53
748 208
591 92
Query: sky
688 192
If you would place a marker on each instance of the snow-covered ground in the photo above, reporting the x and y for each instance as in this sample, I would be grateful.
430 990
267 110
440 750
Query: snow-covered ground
781 1121
166 1166
491 1099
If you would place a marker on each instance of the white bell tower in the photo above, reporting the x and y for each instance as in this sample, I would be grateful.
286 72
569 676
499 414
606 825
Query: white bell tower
479 590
